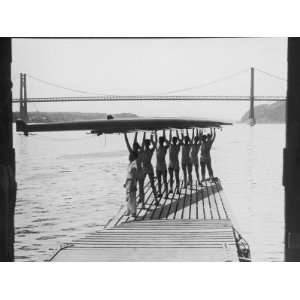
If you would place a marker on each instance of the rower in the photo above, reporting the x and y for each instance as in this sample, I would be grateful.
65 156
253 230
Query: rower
195 147
147 157
205 159
174 161
186 163
161 166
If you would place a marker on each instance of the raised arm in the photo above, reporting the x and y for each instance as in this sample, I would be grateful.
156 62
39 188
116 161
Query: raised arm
165 138
187 133
200 134
214 136
135 137
179 139
154 142
193 135
143 142
127 142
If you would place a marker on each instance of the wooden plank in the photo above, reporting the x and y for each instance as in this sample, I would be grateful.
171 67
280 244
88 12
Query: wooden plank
206 202
211 198
219 189
153 246
201 204
147 193
175 202
151 239
218 200
158 208
193 203
144 254
182 204
167 207
186 211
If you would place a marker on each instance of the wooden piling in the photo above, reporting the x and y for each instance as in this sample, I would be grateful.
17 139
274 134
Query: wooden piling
291 174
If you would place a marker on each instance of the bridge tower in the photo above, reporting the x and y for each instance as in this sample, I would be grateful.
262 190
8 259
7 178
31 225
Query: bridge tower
251 111
23 98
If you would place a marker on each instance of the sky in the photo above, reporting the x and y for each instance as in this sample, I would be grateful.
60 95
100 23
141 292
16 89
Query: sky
150 67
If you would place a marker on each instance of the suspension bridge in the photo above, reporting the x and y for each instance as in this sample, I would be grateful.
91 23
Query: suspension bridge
23 100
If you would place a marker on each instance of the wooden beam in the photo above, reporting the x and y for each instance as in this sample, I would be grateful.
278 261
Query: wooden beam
7 156
292 155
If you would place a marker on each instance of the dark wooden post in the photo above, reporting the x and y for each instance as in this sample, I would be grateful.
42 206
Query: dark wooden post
291 175
7 157
251 112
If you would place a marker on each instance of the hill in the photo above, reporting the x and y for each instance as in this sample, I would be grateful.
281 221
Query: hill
48 117
267 113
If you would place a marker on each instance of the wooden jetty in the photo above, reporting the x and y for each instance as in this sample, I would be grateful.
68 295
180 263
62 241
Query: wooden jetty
192 225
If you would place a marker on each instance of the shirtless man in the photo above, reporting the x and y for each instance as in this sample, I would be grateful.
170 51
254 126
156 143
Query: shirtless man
205 159
174 161
140 176
196 143
186 163
161 166
148 168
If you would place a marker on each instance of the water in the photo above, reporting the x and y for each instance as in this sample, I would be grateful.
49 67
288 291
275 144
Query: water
70 183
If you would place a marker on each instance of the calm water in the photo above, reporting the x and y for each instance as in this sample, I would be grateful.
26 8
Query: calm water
71 183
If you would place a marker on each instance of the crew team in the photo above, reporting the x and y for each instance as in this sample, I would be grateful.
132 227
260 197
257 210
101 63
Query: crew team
140 165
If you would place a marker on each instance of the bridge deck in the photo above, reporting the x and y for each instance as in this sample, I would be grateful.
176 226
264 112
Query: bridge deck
190 226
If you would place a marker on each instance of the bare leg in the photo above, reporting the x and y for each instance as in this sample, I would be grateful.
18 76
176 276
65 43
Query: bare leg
177 180
151 177
158 175
127 213
165 183
202 164
171 178
184 167
210 171
131 203
196 165
141 191
190 167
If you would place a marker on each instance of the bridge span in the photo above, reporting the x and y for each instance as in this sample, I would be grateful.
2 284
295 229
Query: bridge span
23 100
149 98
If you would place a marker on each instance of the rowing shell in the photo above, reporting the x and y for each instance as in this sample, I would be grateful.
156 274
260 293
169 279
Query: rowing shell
120 125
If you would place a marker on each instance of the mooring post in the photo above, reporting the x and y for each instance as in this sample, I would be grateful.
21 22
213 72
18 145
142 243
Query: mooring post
251 112
7 156
291 169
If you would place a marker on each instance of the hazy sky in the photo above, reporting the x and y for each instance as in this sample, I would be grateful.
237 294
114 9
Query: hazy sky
150 66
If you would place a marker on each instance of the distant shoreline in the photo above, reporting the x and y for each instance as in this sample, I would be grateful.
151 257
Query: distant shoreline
50 117
267 114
